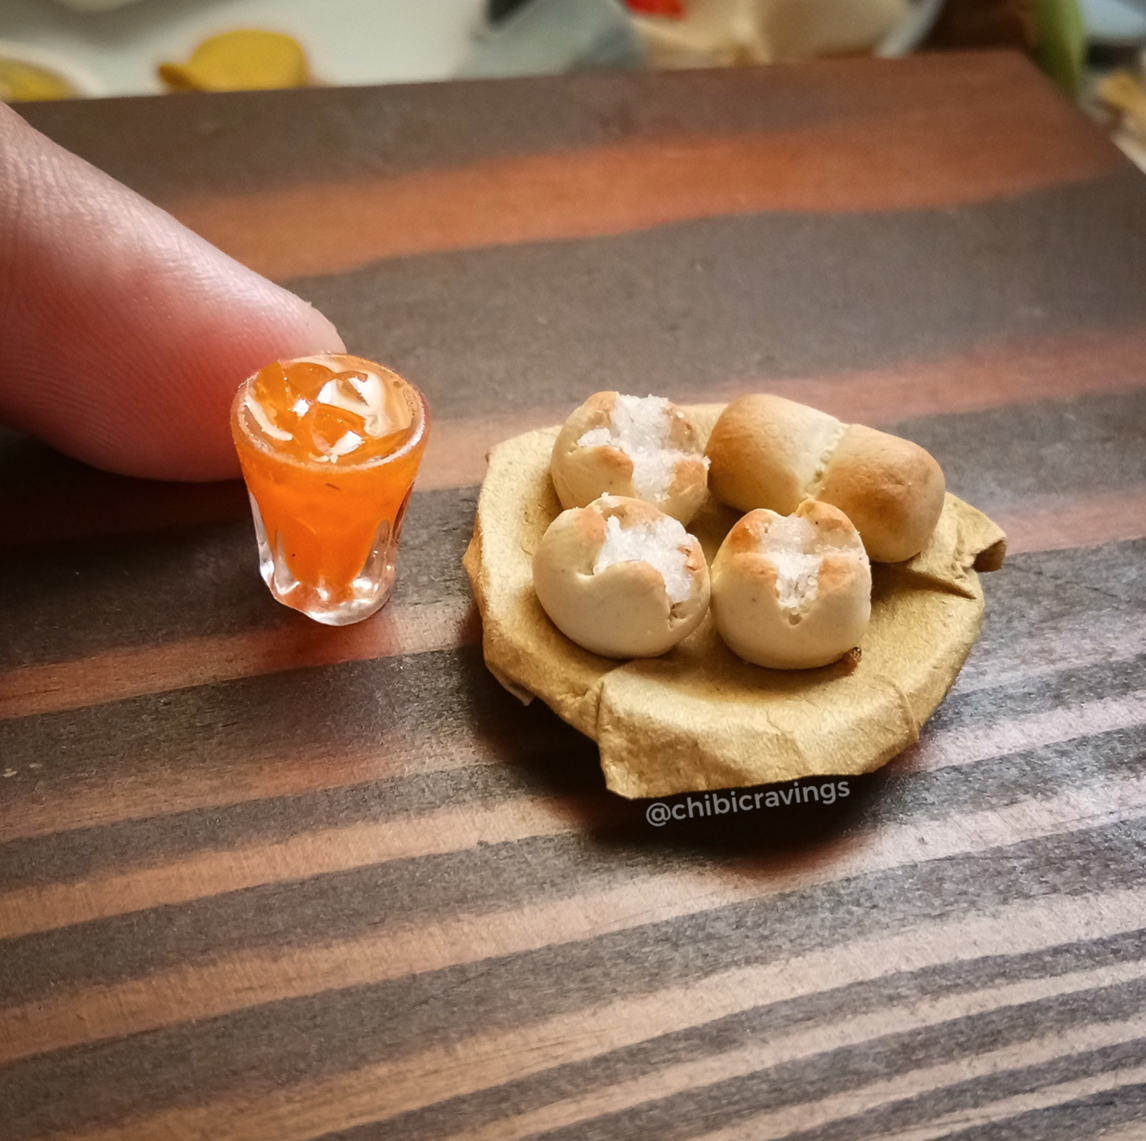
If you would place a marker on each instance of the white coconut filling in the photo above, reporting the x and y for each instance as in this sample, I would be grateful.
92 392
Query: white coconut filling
639 427
657 543
795 548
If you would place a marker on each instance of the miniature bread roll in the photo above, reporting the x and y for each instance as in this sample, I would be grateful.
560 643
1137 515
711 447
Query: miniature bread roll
766 451
792 592
621 578
641 447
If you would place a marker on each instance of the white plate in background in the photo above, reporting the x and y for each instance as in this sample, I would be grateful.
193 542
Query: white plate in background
346 41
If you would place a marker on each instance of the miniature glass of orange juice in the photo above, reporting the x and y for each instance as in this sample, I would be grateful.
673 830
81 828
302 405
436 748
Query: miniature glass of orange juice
329 446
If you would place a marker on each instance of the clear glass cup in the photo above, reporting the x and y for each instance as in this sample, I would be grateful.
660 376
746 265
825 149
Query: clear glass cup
330 446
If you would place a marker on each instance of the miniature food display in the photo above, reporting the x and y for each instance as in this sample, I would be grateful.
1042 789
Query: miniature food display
329 447
700 716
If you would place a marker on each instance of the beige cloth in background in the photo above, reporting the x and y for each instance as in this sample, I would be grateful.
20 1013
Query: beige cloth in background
731 32
699 717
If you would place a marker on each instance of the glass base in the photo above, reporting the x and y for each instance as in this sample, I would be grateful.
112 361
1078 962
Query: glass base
343 606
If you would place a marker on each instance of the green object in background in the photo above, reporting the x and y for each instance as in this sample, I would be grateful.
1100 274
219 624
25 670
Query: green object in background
1061 50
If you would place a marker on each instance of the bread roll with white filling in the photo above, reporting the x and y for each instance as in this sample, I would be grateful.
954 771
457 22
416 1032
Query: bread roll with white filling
634 446
769 452
792 592
621 578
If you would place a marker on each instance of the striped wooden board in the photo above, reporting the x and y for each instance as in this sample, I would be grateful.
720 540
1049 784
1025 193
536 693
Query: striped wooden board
266 881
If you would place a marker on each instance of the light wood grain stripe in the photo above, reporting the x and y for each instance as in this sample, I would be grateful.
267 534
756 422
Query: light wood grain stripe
317 853
323 852
1110 637
114 675
902 161
378 1092
804 1045
250 978
1045 1097
139 797
968 745
918 1083
1083 521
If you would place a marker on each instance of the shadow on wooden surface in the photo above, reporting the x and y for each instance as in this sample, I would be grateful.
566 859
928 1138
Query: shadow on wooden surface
49 497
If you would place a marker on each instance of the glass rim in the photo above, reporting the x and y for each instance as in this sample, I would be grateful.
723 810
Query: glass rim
259 442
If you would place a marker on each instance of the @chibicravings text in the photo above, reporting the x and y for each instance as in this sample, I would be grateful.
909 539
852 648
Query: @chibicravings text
726 801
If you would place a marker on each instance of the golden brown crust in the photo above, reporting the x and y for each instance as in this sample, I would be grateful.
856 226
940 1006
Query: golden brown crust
890 488
766 451
580 474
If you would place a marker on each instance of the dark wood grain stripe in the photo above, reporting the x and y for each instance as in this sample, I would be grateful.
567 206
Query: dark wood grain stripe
214 752
443 1007
246 979
1047 613
903 162
967 1083
192 583
323 851
1081 606
755 1059
707 305
496 880
118 674
422 1079
1008 373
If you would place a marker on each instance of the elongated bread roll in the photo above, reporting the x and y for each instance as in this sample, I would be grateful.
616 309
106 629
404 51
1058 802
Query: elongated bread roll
792 592
769 452
621 578
641 447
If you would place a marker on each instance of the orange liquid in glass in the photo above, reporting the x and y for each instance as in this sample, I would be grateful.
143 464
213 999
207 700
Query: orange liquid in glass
329 448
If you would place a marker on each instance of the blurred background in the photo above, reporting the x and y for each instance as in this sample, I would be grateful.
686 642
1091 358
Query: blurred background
1093 49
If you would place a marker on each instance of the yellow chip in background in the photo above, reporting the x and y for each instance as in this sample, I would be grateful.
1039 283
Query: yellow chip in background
243 60
21 80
